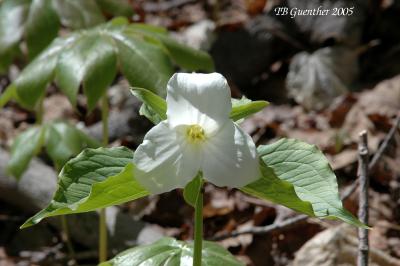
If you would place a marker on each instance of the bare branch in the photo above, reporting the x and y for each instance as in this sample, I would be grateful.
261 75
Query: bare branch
363 157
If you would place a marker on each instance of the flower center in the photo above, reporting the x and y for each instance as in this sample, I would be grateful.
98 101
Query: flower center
195 133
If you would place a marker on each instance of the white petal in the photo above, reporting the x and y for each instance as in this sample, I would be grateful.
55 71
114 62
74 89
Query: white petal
230 158
164 161
202 99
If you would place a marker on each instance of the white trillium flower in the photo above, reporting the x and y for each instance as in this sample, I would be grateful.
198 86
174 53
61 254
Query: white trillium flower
198 135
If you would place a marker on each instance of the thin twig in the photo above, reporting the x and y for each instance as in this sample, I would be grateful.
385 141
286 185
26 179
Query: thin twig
288 223
363 157
377 156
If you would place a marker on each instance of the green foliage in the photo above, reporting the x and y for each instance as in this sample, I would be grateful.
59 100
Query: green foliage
192 190
61 141
116 7
242 108
155 108
90 58
270 187
307 170
95 179
170 252
38 22
24 148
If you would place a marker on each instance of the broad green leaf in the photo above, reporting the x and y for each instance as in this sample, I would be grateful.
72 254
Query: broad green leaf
96 178
187 57
192 190
170 252
33 80
23 149
307 169
148 28
183 55
144 64
64 141
12 19
270 187
91 60
78 14
154 107
116 7
244 107
42 26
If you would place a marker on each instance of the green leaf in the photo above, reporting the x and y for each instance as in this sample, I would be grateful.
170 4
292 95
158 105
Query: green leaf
244 107
144 64
270 187
187 57
23 149
7 95
96 178
32 81
192 190
306 168
12 20
183 55
154 107
116 7
78 14
42 26
170 252
64 141
91 60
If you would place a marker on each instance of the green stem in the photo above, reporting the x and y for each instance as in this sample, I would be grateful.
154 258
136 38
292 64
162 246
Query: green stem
39 112
66 238
102 222
198 229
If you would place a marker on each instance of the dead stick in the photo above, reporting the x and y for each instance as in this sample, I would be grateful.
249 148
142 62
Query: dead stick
363 157
258 230
378 154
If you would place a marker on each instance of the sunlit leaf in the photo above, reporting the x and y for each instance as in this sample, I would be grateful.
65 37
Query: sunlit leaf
95 179
308 171
170 252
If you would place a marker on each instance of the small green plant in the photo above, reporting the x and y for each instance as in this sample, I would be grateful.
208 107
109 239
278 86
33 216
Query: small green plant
196 140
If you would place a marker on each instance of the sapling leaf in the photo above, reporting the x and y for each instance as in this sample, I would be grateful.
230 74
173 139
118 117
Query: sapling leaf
307 169
64 141
171 252
41 26
91 60
78 14
116 7
96 178
24 148
88 58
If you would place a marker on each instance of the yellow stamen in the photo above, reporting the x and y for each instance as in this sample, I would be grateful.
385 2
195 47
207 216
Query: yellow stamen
195 133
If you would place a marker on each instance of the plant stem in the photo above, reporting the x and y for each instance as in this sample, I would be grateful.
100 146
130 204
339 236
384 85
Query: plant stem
102 222
198 229
39 112
66 238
